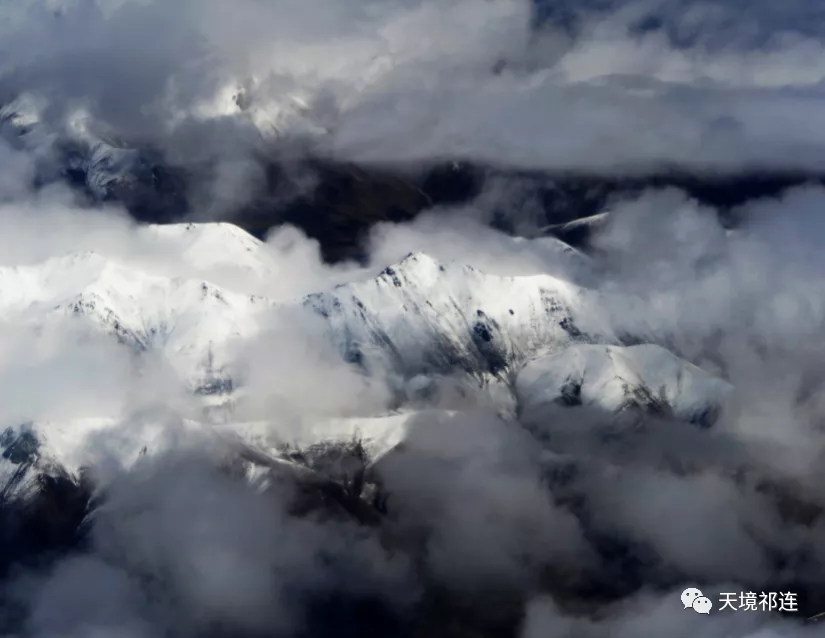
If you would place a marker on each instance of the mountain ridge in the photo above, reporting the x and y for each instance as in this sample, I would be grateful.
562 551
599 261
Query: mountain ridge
419 320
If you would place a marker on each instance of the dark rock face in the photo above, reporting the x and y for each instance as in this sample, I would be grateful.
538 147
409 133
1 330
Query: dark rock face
349 200
19 449
154 193
339 211
41 523
41 527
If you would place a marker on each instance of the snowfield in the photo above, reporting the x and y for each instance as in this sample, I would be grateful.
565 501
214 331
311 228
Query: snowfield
616 379
536 339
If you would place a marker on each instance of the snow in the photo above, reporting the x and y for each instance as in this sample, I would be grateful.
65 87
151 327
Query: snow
212 246
189 321
614 378
417 314
417 318
377 434
109 445
422 313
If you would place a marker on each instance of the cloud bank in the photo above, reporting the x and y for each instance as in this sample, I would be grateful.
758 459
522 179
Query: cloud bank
570 523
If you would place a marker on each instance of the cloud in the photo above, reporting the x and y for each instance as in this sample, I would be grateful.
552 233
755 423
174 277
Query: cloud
700 502
414 81
465 236
188 539
202 553
468 472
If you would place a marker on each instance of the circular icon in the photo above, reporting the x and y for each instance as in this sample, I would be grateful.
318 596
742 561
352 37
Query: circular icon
702 605
689 595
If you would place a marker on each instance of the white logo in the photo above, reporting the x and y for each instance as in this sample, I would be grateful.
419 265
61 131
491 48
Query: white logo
702 605
693 598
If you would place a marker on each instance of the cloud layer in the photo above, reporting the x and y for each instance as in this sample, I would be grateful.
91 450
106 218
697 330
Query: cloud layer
569 523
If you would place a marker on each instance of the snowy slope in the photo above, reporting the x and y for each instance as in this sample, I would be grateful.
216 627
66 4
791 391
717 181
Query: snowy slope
109 444
416 316
616 379
378 434
213 247
421 315
190 322
419 318
64 447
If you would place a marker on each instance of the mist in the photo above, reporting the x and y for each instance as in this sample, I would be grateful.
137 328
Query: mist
221 503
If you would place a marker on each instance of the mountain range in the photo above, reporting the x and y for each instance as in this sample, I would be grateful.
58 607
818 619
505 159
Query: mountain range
432 332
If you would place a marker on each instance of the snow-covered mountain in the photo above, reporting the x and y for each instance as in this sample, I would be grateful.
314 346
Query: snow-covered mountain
105 444
422 315
190 321
68 149
213 247
531 338
418 315
616 379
